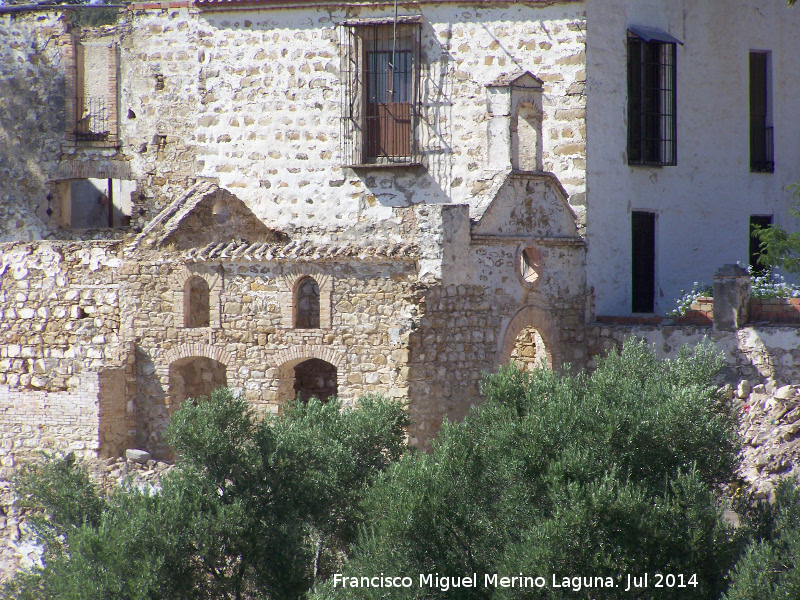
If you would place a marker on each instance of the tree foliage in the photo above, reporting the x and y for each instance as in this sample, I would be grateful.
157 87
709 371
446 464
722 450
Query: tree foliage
770 566
604 475
600 475
259 508
777 246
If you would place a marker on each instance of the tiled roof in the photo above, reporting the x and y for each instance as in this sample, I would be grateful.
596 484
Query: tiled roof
168 219
242 251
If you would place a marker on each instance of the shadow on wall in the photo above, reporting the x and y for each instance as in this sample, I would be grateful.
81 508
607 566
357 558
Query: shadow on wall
27 165
304 378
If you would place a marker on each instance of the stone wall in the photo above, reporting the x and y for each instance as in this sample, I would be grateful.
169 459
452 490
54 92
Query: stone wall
31 108
64 371
759 353
251 99
60 313
253 339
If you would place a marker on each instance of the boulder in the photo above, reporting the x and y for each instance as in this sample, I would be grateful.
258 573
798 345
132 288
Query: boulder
139 456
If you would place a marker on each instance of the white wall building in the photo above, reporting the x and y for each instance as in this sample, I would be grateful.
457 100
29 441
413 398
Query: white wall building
701 207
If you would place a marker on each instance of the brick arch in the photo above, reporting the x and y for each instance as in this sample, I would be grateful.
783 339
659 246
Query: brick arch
191 350
298 354
292 276
288 359
214 282
530 316
287 283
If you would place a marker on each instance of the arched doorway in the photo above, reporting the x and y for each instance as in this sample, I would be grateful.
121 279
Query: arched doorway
529 349
314 378
194 377
529 337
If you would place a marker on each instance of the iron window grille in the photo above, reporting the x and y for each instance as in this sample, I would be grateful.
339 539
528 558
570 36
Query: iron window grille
651 103
92 122
762 159
380 109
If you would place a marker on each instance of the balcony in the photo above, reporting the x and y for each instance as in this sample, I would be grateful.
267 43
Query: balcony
92 122
762 159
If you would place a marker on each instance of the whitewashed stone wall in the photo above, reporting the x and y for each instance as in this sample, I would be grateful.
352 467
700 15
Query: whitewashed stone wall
252 98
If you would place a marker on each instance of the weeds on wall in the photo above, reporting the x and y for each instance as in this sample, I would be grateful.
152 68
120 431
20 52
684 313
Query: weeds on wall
95 16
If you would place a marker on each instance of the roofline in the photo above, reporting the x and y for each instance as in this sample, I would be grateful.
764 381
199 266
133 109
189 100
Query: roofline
20 8
210 5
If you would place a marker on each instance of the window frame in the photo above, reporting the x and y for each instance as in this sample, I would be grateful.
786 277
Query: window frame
365 123
652 98
762 140
311 319
91 121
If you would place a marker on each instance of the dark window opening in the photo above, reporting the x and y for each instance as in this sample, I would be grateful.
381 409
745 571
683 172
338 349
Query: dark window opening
762 159
757 221
651 103
94 203
315 378
196 306
643 261
380 99
306 304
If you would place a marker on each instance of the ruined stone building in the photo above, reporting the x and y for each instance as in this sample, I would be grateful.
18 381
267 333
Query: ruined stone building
319 198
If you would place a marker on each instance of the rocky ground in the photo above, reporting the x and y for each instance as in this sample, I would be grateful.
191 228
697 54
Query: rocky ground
18 550
770 429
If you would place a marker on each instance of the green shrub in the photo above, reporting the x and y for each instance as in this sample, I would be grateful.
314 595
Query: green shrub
258 509
603 475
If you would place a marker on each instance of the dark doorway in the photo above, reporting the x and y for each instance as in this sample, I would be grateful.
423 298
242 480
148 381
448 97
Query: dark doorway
314 378
194 377
755 245
643 261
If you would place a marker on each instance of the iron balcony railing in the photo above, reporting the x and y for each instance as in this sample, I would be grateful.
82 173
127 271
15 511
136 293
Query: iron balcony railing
762 159
92 120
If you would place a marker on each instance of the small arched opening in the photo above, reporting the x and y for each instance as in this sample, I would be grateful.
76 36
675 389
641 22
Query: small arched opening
196 304
194 377
529 350
306 304
315 378
529 339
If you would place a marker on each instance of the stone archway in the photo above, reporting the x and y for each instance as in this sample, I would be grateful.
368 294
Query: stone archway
529 350
321 371
194 377
530 337
315 378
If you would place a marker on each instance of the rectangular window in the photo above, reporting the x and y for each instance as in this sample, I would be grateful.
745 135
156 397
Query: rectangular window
763 222
380 78
761 149
643 261
92 93
651 101
94 203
